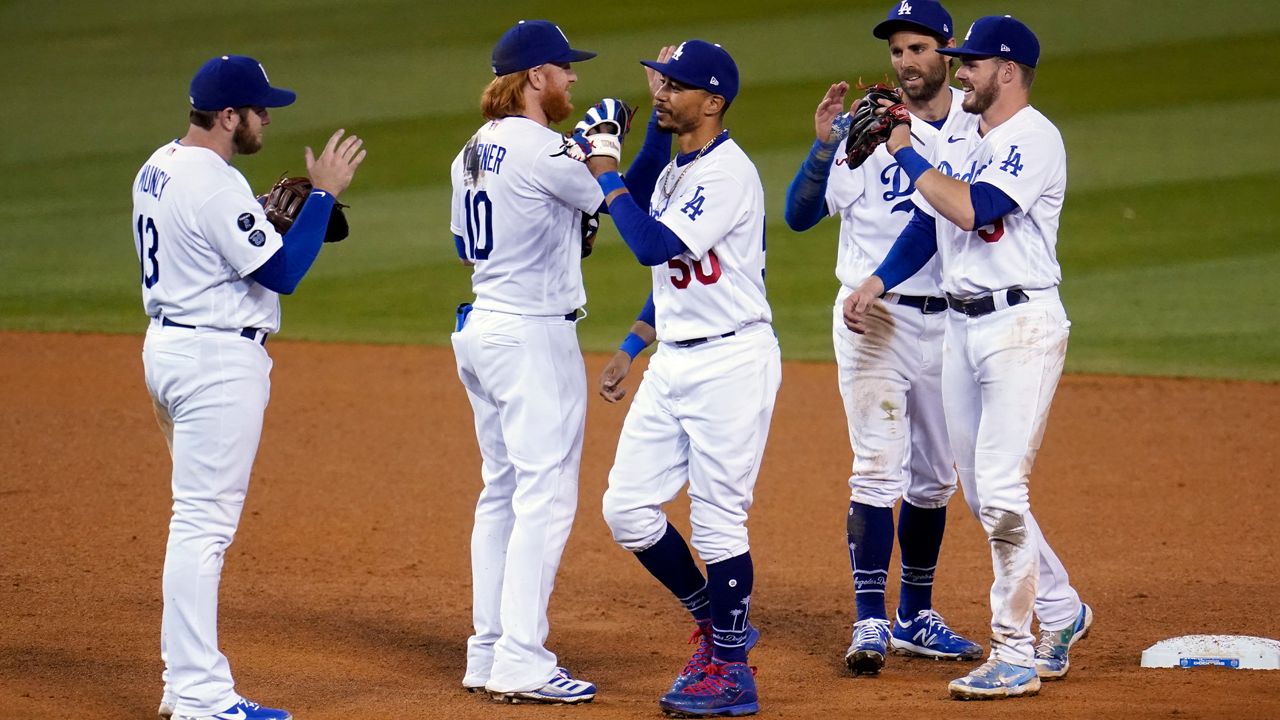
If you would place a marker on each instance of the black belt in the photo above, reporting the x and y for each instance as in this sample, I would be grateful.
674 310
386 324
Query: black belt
698 341
247 333
978 307
927 304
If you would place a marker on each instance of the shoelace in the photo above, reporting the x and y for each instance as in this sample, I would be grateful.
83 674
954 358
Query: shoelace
870 630
1047 644
987 668
701 656
934 621
715 682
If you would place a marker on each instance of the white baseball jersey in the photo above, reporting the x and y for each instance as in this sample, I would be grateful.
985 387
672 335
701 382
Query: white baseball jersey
527 251
1025 158
715 204
199 233
873 202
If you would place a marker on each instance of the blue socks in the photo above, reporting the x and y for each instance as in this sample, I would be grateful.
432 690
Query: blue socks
920 538
729 583
721 601
870 535
671 563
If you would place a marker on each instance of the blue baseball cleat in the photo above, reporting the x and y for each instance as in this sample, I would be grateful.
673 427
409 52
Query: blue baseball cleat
927 635
1052 652
727 690
865 655
995 680
243 710
696 668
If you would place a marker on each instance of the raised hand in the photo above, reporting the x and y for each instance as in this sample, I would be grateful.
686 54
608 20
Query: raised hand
655 77
831 107
337 164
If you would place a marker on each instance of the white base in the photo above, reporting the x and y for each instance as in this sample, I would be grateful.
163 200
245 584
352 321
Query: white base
1234 651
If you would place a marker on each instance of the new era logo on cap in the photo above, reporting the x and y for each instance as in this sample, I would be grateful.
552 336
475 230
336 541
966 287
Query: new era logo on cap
999 35
701 64
915 16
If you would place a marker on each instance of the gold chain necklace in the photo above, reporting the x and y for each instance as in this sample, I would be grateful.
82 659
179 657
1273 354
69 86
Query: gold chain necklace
666 194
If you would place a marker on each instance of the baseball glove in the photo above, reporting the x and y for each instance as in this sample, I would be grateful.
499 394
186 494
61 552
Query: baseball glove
610 115
871 122
284 201
590 226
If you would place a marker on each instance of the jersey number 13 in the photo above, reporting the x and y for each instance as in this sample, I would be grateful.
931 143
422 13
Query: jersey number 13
147 251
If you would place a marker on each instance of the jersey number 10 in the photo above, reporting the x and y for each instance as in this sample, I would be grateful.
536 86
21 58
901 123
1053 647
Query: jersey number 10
479 238
146 252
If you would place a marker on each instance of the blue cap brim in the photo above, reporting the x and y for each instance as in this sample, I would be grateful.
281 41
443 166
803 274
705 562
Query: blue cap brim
574 56
962 53
666 69
278 97
887 28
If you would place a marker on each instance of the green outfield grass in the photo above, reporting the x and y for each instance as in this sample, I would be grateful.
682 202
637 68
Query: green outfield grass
1168 243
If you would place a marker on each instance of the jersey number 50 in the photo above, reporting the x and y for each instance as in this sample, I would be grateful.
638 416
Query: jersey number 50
479 238
683 274
148 252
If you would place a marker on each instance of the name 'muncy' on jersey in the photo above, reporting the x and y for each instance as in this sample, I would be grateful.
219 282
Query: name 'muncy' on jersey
199 233
1025 158
717 209
874 201
520 219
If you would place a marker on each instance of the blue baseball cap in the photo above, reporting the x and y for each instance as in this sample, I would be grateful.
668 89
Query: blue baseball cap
916 15
235 81
530 43
703 65
999 36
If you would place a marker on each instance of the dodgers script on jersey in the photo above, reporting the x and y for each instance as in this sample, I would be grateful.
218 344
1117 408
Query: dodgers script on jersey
537 270
1025 158
873 202
199 233
717 209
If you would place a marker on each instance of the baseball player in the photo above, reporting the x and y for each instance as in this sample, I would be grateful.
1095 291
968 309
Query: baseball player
891 378
212 270
701 414
517 209
990 211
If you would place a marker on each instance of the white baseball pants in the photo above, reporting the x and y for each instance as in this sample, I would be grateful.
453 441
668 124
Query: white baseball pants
527 384
891 383
210 389
999 377
701 415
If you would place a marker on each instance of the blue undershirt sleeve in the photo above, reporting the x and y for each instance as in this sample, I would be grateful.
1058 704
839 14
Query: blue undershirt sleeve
911 251
806 196
990 203
460 247
652 242
645 167
286 268
648 314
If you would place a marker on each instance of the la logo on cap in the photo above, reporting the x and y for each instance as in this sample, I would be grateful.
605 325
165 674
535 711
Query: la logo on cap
904 8
676 55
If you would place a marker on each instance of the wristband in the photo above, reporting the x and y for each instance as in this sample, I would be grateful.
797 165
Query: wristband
633 345
609 182
912 163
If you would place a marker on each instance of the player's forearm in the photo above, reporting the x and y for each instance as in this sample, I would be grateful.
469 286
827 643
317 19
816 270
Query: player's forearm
643 334
917 243
807 192
286 268
950 197
649 240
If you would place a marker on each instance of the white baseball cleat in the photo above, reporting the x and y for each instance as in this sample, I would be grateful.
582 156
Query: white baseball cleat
561 689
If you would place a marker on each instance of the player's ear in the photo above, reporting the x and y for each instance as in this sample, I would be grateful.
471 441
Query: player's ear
228 118
534 77
713 105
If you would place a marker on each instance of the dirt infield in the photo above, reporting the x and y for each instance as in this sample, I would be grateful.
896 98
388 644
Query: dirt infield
346 594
